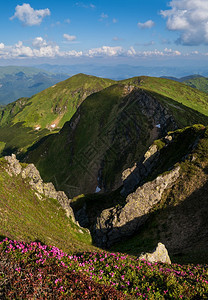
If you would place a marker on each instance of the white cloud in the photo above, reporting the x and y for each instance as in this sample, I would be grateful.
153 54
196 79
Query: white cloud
148 24
105 51
69 38
190 18
41 48
47 51
39 42
29 16
19 50
131 52
74 53
172 52
115 20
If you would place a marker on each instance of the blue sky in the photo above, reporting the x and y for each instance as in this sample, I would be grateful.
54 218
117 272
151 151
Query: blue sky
104 31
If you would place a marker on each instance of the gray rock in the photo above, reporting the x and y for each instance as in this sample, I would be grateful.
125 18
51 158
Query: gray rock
41 189
14 167
117 222
160 254
132 177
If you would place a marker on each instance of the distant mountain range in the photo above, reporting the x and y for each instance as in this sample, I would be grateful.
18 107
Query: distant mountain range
17 82
124 71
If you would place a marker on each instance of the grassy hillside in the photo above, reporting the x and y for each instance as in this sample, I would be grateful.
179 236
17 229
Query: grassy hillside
57 104
28 119
111 130
180 219
200 83
24 217
176 91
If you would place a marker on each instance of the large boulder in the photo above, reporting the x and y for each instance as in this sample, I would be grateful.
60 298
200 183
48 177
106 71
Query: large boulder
160 254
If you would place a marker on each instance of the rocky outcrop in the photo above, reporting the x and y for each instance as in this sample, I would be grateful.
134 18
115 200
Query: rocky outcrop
42 189
133 177
13 167
160 254
117 222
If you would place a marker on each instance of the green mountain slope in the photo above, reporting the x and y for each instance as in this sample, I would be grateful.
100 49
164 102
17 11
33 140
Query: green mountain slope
28 119
23 216
185 95
54 105
200 83
112 129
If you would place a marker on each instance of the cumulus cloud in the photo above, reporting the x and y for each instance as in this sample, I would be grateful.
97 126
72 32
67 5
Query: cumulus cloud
39 42
148 24
69 38
105 51
190 18
39 48
74 53
131 52
29 16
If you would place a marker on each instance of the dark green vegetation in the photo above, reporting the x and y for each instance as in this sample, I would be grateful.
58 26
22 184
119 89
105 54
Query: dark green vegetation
16 82
112 129
24 217
180 219
26 120
200 83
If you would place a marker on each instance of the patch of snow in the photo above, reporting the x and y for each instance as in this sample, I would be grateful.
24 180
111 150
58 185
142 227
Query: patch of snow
53 125
97 189
158 126
37 128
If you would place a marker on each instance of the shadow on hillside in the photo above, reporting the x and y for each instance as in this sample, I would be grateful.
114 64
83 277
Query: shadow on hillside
2 237
183 228
184 115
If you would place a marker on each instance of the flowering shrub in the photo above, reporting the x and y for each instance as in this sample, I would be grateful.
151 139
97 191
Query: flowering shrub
35 270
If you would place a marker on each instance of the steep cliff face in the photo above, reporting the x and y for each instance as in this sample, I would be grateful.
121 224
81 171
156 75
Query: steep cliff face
109 132
163 199
119 222
179 219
